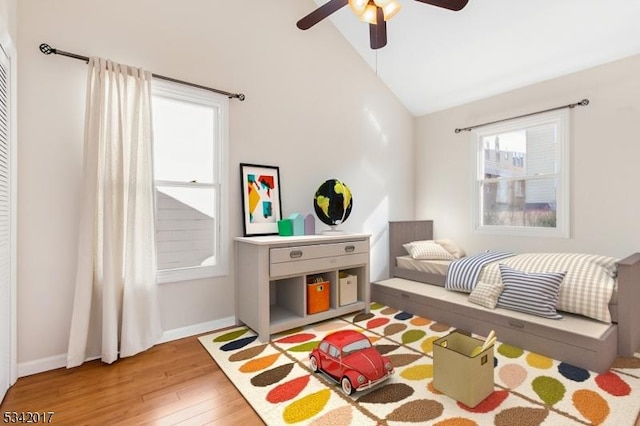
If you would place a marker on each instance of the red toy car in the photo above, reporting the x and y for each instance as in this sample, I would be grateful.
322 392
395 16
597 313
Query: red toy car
348 357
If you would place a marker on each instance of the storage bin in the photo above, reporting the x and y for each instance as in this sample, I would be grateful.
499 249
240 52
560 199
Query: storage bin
456 374
348 289
318 297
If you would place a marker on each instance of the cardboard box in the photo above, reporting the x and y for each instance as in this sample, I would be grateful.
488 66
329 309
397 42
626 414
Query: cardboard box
456 374
348 289
318 297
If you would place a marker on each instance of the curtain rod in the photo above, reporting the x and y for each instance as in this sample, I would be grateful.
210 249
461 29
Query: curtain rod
583 102
47 50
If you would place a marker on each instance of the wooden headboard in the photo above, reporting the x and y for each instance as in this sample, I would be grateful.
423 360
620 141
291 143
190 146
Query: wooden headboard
403 232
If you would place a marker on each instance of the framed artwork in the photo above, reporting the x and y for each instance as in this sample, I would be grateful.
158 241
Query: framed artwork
261 206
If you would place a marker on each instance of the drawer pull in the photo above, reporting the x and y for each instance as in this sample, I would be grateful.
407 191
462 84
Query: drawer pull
516 324
295 254
349 249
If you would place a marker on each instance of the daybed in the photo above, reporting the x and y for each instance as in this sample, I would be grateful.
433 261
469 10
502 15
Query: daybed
575 339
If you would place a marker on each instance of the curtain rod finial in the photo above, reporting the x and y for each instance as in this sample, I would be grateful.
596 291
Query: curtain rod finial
46 49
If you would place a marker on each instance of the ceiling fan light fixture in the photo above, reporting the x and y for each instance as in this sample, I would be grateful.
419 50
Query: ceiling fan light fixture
391 9
370 13
375 12
358 6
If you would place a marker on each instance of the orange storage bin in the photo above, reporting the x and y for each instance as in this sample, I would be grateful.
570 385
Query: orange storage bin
318 297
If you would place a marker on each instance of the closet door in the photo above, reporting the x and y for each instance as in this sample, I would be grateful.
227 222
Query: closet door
7 298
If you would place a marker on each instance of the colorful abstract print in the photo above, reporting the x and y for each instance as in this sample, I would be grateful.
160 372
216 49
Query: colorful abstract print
260 191
529 389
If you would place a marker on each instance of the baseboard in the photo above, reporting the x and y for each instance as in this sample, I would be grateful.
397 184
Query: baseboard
40 365
192 330
60 361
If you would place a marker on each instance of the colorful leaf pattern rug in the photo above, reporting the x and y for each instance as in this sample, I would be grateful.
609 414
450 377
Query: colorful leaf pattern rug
530 389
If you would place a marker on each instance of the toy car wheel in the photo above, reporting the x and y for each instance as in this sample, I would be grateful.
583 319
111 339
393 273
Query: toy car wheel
314 363
346 386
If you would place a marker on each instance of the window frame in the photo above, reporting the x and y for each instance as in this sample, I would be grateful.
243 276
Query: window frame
220 105
561 119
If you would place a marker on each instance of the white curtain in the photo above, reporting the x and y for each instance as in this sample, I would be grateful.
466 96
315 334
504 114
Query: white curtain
115 311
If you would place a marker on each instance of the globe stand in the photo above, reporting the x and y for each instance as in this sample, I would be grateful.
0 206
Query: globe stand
332 231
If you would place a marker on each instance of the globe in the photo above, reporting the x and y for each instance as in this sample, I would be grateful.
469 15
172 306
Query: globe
333 202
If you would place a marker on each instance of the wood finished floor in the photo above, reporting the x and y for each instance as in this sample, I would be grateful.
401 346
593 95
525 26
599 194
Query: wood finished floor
175 383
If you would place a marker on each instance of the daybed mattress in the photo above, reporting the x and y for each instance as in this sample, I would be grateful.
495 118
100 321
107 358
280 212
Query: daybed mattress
431 266
440 267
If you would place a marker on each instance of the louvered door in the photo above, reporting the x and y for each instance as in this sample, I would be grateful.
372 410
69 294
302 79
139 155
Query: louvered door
7 330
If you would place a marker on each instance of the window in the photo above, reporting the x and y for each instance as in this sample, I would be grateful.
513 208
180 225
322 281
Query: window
356 346
190 129
334 352
522 176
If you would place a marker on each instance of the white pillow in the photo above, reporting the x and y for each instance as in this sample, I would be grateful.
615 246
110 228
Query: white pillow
486 294
455 250
427 250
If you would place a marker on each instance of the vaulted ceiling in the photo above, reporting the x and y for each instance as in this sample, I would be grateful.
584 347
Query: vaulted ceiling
436 58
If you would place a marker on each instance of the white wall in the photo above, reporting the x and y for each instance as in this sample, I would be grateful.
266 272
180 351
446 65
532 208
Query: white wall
605 206
313 108
8 17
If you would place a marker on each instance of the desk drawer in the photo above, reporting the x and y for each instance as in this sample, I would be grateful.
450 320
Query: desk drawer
300 259
316 251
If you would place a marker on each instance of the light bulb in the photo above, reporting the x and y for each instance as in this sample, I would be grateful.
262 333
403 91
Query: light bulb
391 9
358 6
382 3
369 14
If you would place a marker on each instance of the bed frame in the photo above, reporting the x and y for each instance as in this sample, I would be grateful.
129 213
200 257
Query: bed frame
406 290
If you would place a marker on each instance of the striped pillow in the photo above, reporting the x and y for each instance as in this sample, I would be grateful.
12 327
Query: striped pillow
532 293
427 250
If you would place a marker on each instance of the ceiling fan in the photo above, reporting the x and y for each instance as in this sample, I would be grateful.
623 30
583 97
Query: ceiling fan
375 12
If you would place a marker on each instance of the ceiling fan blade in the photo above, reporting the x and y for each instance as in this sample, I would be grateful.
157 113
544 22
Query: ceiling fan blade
447 4
320 13
378 32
